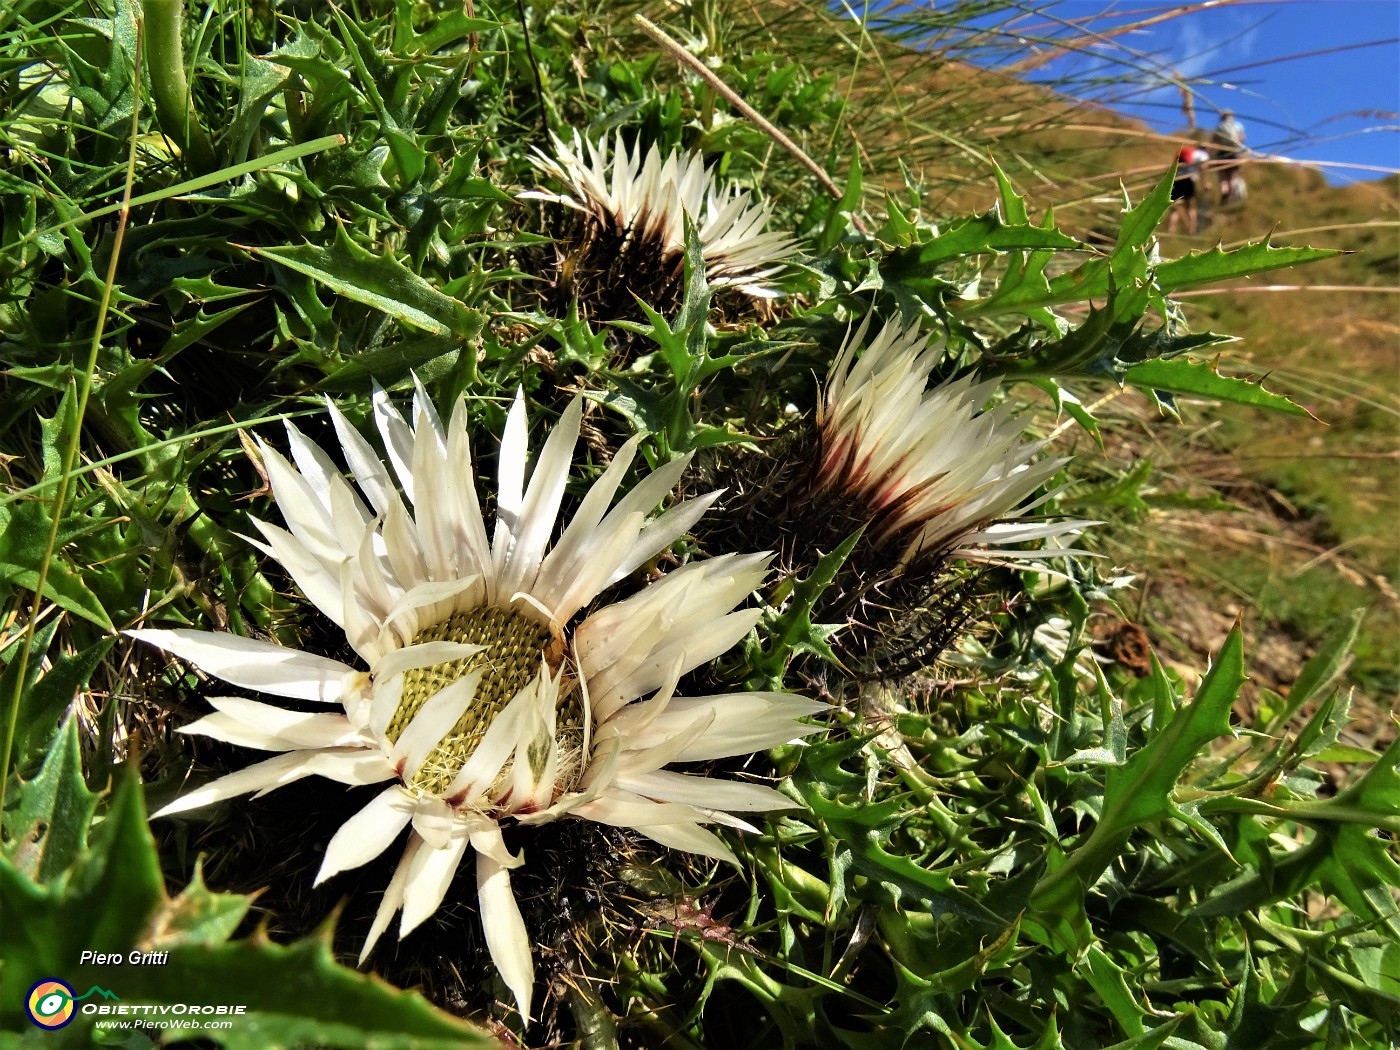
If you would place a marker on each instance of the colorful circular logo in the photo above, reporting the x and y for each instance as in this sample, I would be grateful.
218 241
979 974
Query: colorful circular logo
50 1004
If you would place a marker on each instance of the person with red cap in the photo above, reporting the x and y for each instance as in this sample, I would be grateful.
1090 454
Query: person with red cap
1185 189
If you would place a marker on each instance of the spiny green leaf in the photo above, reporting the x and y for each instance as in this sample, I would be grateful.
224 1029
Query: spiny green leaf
1155 1038
1128 265
1222 264
1065 401
913 940
899 228
1201 379
12 690
214 178
1012 203
1057 916
1025 280
1139 224
47 831
44 703
298 996
695 303
1110 983
57 430
198 916
838 219
24 529
791 630
119 881
863 829
1199 268
114 902
1362 868
379 78
1140 790
1377 998
1322 669
1345 857
1050 1038
317 56
191 330
259 81
455 25
980 235
378 281
1345 754
1107 343
427 357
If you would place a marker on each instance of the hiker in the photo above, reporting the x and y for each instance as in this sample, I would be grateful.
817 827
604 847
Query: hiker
1228 141
1185 189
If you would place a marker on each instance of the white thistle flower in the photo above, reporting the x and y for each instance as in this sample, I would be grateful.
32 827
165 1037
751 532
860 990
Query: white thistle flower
929 467
482 702
646 200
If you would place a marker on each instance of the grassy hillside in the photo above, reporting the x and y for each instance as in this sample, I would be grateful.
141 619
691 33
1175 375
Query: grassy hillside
1320 534
1309 533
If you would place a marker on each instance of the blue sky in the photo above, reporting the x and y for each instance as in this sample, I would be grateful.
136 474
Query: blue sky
1294 71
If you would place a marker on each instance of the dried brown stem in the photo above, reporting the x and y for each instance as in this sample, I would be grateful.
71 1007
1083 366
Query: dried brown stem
678 51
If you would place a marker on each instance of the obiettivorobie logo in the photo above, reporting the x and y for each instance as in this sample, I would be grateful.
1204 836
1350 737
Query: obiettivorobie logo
50 1002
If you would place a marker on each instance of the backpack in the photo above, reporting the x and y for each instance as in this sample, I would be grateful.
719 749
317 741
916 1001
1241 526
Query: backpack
1230 134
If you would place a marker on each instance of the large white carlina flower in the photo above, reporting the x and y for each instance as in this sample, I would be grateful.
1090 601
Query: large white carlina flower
644 200
483 702
929 468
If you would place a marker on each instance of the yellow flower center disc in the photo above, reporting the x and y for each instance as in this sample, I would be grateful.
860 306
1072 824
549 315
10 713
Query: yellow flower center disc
509 663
